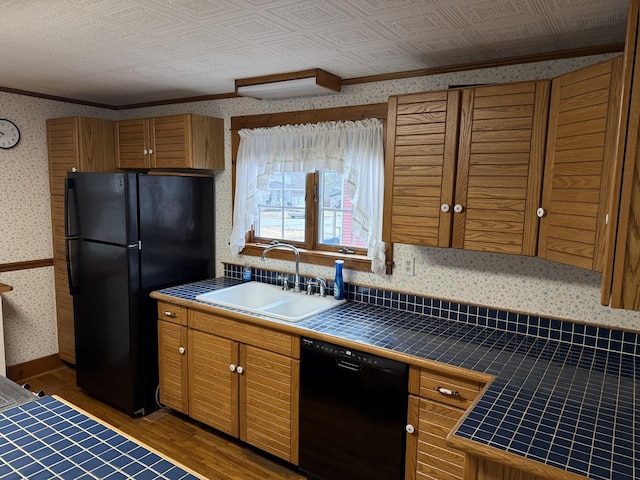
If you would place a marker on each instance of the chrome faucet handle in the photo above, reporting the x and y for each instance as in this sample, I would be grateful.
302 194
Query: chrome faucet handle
310 285
285 281
322 286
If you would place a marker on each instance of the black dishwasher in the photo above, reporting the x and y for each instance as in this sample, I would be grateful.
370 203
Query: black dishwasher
353 413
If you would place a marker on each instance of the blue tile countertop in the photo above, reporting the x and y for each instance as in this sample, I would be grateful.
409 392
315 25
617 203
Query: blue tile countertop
565 395
48 438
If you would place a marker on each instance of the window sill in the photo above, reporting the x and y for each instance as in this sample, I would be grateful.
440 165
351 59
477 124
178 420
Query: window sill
313 257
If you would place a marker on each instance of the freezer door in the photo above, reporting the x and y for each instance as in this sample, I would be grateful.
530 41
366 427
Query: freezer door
176 229
103 207
105 309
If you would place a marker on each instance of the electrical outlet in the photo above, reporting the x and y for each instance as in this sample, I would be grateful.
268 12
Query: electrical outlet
409 266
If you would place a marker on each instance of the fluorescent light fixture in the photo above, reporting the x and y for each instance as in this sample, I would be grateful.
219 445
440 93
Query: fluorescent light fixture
298 84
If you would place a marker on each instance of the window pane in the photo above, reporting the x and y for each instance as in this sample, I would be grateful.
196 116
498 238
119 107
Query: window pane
281 213
336 213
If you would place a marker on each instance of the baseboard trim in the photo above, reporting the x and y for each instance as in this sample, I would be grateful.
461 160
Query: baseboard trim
22 371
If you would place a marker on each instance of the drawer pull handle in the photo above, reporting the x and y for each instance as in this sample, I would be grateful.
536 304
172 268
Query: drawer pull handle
446 391
166 313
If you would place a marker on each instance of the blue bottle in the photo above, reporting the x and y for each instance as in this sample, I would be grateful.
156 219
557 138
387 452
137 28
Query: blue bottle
246 273
338 286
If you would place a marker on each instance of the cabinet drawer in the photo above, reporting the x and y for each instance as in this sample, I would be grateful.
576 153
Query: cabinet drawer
265 338
463 390
172 313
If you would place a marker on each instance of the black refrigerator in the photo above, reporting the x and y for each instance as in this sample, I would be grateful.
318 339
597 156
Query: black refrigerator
128 234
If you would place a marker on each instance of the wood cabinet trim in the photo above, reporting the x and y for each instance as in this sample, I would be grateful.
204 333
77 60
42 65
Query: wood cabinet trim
539 469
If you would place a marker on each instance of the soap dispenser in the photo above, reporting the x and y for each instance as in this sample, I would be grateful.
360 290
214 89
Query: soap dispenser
338 286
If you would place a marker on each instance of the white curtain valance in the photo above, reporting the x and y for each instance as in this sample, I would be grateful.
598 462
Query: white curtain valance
354 149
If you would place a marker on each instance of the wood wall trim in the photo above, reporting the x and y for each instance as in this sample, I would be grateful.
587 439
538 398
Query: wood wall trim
28 93
539 57
32 368
358 112
4 288
522 464
500 62
11 267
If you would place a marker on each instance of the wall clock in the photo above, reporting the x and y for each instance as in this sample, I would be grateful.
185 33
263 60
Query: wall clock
9 134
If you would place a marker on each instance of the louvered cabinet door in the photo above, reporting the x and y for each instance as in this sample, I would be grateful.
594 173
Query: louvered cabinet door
269 402
499 175
213 385
172 141
64 300
134 139
172 366
420 167
578 166
429 457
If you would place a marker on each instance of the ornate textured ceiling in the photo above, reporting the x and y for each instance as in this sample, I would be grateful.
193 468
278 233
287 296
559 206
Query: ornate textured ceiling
120 52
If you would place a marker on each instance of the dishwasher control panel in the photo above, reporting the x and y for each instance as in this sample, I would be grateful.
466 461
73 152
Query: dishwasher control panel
345 353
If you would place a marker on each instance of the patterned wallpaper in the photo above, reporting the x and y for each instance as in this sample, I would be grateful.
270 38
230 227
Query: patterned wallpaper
25 226
509 282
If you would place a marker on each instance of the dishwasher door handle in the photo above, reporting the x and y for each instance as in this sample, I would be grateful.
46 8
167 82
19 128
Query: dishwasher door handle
348 366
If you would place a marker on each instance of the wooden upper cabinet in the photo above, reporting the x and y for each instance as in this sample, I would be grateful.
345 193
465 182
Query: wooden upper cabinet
74 144
185 141
464 167
80 143
579 163
499 171
134 140
422 137
621 276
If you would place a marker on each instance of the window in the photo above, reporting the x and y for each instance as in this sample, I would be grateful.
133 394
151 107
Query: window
318 186
312 211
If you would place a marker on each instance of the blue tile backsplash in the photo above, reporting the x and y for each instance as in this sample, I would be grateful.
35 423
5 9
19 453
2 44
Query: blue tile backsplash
530 325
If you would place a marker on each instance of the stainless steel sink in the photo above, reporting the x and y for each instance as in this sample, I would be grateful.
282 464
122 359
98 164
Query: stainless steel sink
270 300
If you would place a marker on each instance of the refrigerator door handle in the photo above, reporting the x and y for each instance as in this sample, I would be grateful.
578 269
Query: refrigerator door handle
70 192
73 284
69 187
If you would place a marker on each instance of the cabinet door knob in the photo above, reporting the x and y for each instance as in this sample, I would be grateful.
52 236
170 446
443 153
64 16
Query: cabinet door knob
457 208
410 428
541 212
150 152
445 207
232 367
181 350
167 313
239 370
145 152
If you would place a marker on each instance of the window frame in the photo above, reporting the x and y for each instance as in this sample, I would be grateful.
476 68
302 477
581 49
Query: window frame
310 252
311 224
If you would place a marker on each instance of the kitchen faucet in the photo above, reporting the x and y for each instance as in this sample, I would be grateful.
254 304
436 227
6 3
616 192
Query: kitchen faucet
296 287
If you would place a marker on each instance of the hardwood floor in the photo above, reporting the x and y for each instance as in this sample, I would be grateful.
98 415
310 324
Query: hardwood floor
188 442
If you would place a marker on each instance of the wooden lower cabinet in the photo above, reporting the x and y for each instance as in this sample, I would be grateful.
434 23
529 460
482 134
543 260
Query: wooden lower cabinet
172 365
242 380
437 400
428 455
213 386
